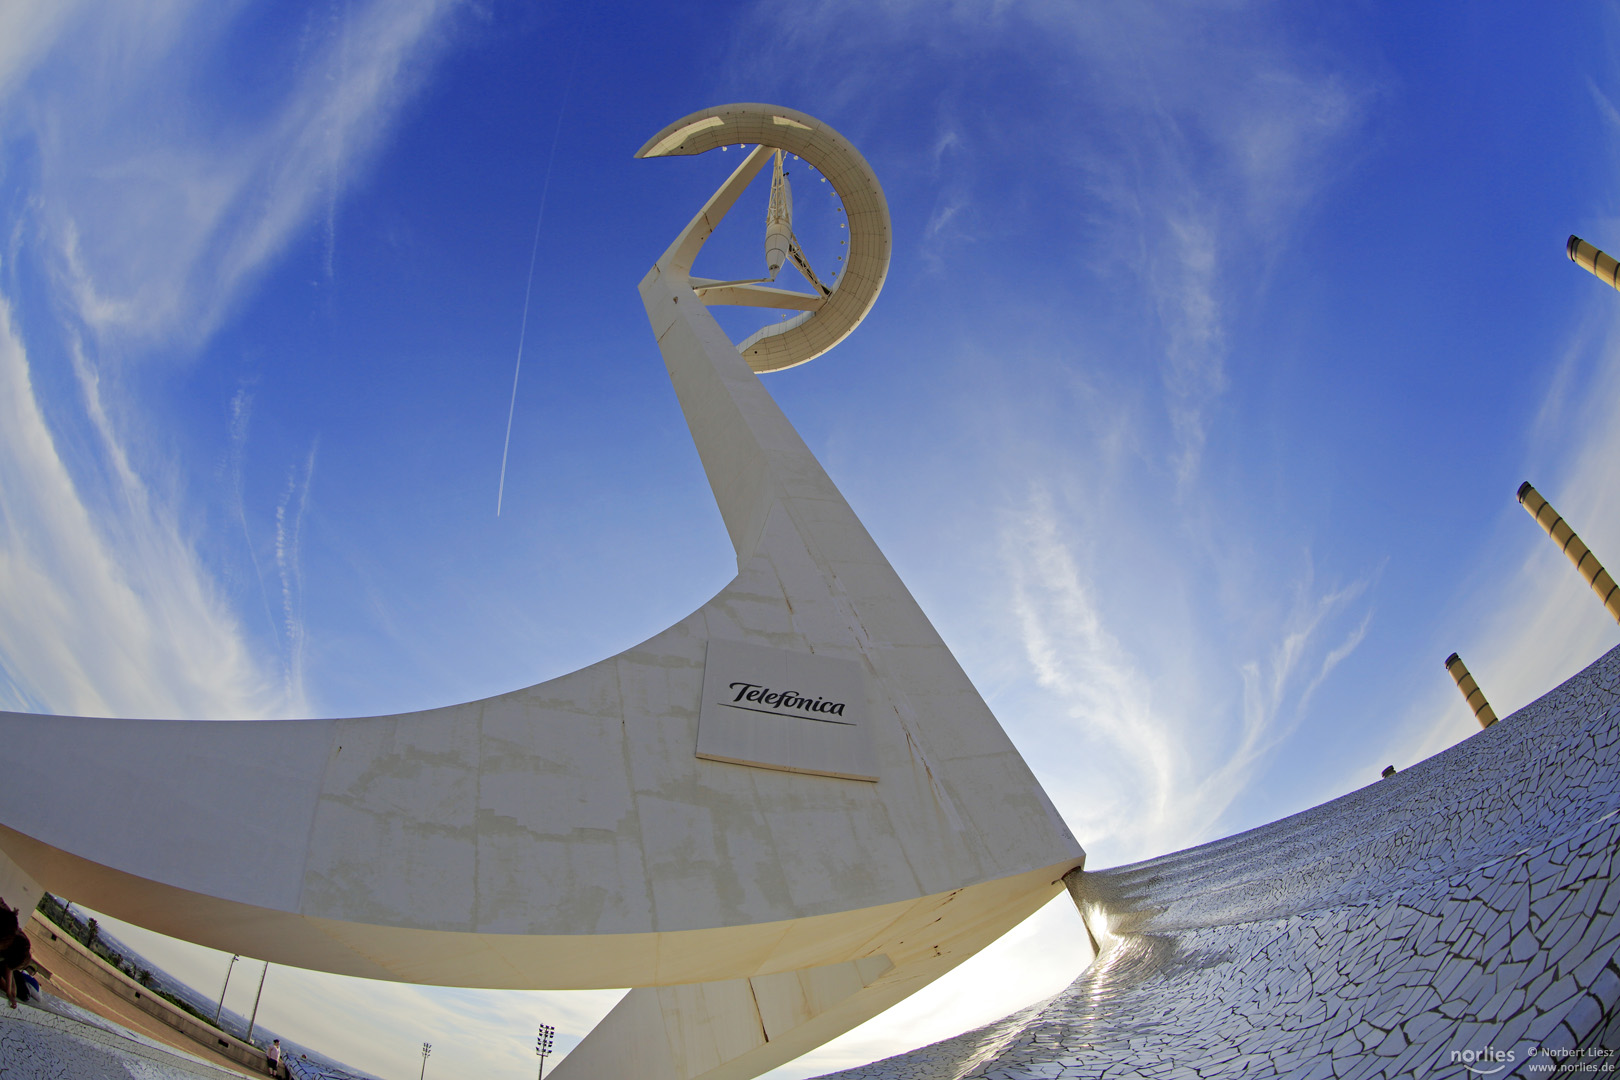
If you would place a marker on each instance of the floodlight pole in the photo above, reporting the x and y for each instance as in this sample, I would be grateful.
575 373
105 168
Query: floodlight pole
427 1048
542 1046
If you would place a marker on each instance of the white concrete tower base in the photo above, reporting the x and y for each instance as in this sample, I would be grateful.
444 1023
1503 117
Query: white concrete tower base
858 822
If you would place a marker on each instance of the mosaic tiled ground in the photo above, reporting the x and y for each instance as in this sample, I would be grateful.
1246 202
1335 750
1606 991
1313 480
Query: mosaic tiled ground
1457 919
54 1040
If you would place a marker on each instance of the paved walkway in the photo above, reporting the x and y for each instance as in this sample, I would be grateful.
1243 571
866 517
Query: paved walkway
1461 918
56 1040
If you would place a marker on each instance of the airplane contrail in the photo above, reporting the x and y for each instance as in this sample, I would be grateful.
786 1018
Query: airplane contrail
528 290
523 329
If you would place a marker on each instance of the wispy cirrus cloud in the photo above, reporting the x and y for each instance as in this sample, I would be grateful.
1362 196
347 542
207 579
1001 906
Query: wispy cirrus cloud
1215 132
1175 762
1080 662
289 545
156 230
147 211
1198 136
105 613
946 221
27 33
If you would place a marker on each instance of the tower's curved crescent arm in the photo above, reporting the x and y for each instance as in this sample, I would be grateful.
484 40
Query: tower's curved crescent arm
803 337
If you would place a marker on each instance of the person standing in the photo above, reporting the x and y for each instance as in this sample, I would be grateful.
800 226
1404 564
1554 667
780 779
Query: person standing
15 951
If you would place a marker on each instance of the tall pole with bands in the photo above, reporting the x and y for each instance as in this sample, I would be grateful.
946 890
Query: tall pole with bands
1602 265
1572 545
1470 691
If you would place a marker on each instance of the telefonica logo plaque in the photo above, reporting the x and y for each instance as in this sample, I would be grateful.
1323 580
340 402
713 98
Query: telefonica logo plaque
786 703
786 710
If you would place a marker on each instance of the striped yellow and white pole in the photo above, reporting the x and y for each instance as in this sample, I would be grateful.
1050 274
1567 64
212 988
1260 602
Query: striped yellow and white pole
1470 691
1602 265
1578 552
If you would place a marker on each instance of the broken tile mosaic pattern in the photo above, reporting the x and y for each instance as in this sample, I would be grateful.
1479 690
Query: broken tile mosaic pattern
1461 914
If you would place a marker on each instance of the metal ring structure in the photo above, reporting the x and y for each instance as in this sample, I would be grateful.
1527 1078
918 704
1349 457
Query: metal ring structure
803 337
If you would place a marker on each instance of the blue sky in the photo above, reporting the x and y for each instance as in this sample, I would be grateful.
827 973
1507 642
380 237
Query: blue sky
1216 342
